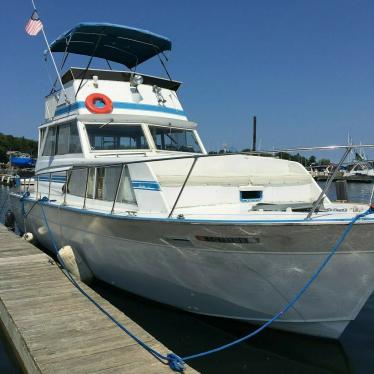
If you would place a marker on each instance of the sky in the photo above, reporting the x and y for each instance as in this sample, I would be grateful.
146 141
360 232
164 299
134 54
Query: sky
304 68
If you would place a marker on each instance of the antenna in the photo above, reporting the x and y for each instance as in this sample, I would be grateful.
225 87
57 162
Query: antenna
254 134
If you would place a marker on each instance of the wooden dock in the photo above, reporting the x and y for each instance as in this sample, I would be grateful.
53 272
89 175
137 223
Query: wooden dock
55 329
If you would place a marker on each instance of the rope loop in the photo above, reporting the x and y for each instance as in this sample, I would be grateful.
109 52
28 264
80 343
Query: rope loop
175 362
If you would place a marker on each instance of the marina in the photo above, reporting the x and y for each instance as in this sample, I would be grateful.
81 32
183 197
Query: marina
273 351
135 239
119 161
38 303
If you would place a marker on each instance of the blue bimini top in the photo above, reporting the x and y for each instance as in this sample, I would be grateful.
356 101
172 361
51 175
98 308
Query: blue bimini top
122 44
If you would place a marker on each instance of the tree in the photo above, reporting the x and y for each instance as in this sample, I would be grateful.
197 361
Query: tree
12 143
324 161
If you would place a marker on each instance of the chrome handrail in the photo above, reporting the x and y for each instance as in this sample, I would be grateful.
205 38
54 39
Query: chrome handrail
182 188
323 193
196 157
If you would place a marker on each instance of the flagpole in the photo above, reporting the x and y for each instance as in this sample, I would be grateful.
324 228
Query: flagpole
53 59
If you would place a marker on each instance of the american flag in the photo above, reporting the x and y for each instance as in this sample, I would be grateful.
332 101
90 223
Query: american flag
34 24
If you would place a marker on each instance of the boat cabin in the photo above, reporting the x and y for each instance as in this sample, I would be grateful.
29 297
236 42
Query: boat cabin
112 113
104 128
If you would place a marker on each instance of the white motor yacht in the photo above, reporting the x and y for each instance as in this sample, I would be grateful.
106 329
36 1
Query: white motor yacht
128 184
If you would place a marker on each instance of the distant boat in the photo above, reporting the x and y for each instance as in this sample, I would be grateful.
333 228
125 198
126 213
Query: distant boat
22 161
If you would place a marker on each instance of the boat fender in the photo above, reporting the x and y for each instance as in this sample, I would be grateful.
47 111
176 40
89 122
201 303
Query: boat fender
99 103
9 220
29 237
75 264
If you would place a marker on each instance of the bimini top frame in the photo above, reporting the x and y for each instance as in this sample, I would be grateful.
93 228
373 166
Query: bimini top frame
122 44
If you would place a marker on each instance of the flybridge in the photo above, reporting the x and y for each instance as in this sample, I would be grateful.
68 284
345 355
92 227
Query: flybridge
125 45
94 91
98 92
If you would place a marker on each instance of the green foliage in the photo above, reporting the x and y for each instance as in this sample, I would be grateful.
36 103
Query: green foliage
297 157
12 143
303 160
324 161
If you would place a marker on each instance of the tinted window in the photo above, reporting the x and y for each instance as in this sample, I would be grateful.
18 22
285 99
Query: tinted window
77 182
114 136
50 142
126 192
106 182
102 184
41 138
68 139
172 139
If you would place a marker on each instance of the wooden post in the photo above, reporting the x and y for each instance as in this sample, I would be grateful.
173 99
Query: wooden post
254 134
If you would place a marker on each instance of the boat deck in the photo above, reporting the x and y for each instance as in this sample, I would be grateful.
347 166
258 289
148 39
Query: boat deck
54 329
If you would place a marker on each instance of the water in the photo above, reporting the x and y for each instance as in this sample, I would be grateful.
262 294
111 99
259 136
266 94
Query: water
270 352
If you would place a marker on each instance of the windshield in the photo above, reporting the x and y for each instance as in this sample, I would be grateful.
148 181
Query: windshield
173 139
115 136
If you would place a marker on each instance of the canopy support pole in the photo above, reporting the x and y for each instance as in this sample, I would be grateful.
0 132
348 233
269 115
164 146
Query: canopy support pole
55 66
164 66
89 64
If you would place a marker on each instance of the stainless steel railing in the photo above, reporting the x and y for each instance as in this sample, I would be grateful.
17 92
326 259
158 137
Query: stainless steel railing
195 158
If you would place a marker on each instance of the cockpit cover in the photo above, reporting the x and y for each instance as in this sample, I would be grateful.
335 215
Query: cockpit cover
122 44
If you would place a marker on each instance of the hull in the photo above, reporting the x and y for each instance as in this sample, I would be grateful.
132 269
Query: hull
22 162
167 261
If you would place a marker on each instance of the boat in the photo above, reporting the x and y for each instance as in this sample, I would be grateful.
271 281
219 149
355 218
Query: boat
360 169
21 160
123 178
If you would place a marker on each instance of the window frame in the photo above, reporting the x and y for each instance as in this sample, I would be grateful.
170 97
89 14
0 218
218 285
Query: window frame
195 133
118 151
47 129
124 172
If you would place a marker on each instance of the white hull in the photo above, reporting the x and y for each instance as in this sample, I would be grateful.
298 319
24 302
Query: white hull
250 284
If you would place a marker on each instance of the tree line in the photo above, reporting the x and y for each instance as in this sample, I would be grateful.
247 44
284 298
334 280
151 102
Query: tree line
13 143
306 161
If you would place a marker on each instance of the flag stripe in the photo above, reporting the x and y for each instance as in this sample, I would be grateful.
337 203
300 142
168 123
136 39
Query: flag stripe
34 25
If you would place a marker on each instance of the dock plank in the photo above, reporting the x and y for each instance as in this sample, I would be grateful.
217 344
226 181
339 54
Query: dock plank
55 329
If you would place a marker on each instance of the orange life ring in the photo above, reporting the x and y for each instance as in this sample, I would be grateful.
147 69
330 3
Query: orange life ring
99 103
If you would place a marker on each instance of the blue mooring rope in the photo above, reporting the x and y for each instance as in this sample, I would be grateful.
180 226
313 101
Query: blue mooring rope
175 362
3 205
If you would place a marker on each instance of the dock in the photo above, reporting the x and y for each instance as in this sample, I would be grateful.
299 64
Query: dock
55 329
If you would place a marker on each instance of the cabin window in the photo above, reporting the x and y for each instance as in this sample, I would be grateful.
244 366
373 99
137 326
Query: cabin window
173 139
77 182
106 182
50 142
62 139
91 183
102 184
126 192
104 137
41 138
68 139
